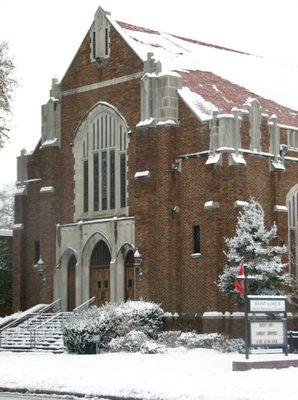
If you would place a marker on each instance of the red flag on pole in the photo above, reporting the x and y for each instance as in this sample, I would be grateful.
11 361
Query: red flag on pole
239 283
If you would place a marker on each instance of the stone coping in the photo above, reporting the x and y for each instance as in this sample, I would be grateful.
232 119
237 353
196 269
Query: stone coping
270 364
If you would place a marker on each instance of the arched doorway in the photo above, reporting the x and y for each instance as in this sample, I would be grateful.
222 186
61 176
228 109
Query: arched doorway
129 282
71 283
100 273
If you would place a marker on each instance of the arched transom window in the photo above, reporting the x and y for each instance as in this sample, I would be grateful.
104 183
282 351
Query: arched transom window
293 229
100 163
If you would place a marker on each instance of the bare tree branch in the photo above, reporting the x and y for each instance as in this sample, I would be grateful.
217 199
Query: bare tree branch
7 86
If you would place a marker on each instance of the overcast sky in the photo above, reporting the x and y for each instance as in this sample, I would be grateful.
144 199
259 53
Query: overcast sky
44 35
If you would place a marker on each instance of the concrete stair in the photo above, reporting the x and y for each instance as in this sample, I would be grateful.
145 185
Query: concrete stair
41 332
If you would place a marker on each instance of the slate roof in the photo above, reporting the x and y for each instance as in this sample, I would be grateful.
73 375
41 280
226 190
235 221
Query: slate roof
217 77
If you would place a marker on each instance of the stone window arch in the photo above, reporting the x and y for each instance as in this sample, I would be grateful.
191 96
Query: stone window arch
100 149
292 203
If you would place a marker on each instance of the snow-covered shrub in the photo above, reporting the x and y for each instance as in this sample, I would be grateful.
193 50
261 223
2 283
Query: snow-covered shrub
192 340
110 321
131 342
80 328
169 338
228 345
141 316
151 347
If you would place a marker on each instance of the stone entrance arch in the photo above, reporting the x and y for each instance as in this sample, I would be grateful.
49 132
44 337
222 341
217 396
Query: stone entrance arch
87 252
121 273
67 279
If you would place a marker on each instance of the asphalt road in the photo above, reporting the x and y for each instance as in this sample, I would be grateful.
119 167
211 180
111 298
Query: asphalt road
23 396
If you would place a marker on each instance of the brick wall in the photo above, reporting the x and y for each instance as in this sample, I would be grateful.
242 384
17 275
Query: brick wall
171 276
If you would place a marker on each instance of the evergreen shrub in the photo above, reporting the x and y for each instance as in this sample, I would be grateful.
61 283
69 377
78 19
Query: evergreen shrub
108 322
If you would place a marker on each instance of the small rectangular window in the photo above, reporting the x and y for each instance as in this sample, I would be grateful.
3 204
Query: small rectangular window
94 44
36 251
196 239
106 41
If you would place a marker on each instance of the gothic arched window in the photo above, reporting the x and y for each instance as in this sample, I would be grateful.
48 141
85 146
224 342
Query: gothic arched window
100 163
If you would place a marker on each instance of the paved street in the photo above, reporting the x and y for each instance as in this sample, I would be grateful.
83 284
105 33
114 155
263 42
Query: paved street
20 396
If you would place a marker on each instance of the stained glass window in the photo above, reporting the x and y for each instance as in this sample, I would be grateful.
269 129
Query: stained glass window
123 180
104 187
95 182
112 179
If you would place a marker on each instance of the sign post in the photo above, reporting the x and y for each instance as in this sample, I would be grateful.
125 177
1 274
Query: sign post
263 333
271 333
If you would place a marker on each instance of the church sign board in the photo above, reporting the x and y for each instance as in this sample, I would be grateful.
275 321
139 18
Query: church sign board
267 304
268 333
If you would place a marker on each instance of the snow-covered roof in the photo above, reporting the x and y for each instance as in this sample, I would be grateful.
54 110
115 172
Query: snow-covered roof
217 77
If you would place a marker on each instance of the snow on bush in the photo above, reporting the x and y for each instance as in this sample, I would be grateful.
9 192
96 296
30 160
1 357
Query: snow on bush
151 347
192 340
169 338
135 341
131 342
110 321
251 246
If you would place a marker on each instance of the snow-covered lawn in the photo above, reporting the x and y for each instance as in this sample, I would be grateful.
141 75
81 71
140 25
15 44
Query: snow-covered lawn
182 374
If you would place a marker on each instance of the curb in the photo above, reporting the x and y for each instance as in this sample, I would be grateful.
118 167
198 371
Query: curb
71 395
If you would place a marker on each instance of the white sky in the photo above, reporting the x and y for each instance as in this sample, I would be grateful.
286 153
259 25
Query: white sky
45 34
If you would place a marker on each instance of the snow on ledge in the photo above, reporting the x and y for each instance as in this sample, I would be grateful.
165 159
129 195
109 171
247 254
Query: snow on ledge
142 174
47 189
167 122
213 314
240 203
211 204
238 159
50 142
196 255
278 165
146 122
6 232
33 180
21 191
279 208
213 159
18 227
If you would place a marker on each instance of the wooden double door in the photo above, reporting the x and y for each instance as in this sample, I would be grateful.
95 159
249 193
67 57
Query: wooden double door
100 284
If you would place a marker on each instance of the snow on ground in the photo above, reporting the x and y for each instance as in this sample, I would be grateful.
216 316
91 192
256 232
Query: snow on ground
198 374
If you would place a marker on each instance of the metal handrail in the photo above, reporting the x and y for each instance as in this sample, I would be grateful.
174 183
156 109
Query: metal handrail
52 305
40 326
16 321
83 305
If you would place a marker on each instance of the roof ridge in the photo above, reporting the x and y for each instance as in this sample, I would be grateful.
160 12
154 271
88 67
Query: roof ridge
139 28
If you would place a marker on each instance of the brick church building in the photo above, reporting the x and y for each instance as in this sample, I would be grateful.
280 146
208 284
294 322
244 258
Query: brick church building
150 145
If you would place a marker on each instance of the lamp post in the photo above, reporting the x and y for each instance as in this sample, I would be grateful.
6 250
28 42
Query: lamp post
41 266
138 264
